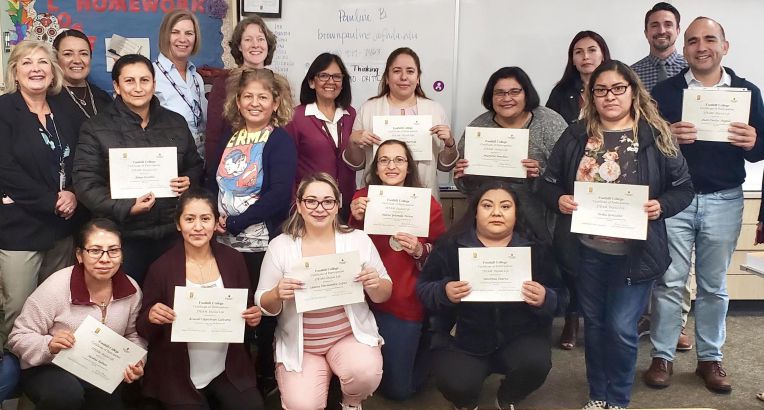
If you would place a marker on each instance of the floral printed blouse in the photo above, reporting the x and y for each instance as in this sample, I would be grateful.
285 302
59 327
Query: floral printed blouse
612 160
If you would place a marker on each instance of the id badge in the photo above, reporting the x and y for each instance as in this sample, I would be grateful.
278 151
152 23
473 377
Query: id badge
61 180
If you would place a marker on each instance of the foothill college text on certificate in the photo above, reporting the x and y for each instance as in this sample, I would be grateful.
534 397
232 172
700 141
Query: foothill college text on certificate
613 210
496 152
394 209
329 281
208 315
134 172
99 355
414 130
495 274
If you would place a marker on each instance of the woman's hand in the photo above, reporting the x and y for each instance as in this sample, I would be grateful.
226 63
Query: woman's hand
133 372
363 138
567 204
63 339
161 314
458 289
460 167
143 204
653 209
358 208
180 185
533 293
532 168
410 244
369 278
252 316
220 227
286 287
66 204
443 132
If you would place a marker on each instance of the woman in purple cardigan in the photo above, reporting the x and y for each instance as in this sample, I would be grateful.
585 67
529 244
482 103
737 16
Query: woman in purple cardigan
322 123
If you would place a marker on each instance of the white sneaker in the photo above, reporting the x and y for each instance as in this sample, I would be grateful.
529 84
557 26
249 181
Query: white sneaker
349 407
594 404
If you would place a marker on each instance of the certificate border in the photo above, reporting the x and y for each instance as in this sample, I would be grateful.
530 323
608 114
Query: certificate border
244 12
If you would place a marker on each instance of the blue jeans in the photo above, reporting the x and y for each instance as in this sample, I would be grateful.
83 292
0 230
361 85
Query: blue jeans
405 356
611 309
712 224
9 375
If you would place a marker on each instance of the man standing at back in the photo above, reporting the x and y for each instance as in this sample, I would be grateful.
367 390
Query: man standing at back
712 221
661 32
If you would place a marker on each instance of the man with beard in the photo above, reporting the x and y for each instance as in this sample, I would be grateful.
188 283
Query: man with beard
661 31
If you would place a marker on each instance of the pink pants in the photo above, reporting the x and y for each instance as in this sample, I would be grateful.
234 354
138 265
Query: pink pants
358 366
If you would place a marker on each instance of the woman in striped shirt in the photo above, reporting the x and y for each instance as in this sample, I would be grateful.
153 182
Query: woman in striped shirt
341 340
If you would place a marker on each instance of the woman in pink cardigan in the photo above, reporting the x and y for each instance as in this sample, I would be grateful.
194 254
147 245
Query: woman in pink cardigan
96 287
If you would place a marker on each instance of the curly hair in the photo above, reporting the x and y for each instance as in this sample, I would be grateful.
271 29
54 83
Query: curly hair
240 78
238 33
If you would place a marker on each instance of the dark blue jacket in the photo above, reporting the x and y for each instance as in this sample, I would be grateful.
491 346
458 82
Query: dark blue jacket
484 327
714 166
668 181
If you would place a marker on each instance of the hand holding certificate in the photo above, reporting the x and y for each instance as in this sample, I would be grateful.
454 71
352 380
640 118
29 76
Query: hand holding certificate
99 356
414 130
328 281
614 210
495 274
208 315
134 172
496 151
393 209
712 110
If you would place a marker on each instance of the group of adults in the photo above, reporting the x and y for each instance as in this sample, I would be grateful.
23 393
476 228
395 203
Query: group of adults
281 185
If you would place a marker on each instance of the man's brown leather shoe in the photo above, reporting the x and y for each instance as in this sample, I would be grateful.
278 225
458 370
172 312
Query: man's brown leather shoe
659 373
714 376
684 344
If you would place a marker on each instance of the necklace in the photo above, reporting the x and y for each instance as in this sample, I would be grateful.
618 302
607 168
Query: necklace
103 306
201 270
81 102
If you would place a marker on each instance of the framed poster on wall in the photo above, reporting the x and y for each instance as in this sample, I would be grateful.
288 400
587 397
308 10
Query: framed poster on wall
263 8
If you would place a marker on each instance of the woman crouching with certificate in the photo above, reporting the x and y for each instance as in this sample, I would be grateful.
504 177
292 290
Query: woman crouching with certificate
400 318
511 338
96 287
341 338
196 375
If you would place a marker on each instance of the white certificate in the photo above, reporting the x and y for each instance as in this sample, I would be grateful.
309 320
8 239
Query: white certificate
208 315
329 281
414 130
495 274
99 355
134 172
712 110
393 209
496 152
614 210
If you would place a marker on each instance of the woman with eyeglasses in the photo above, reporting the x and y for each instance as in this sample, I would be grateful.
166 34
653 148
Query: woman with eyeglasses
621 139
179 86
512 102
97 287
341 340
322 124
400 93
196 375
255 178
401 318
587 50
252 45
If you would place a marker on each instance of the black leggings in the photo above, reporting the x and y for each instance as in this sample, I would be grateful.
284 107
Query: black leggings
525 361
51 387
263 333
220 394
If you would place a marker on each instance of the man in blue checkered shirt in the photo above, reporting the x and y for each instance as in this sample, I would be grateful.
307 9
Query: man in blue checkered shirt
661 31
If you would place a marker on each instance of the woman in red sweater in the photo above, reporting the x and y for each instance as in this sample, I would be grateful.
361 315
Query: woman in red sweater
400 319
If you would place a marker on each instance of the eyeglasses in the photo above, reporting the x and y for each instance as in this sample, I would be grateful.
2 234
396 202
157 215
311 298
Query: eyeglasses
385 161
514 92
97 253
327 204
617 90
326 76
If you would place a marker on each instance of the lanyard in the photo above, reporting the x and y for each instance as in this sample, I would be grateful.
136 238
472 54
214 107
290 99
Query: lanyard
61 155
196 108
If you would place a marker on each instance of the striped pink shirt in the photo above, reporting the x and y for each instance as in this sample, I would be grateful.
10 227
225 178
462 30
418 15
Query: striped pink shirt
322 328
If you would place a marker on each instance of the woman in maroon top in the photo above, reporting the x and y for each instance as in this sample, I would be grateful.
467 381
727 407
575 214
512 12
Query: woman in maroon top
322 123
401 317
